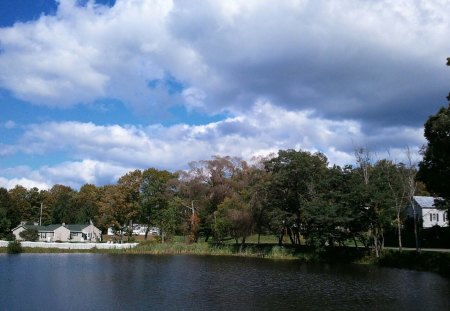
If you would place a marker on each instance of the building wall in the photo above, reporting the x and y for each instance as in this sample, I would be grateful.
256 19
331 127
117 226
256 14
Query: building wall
434 217
92 233
61 234
46 236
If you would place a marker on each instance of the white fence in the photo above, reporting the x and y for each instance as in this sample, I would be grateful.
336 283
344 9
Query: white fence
73 245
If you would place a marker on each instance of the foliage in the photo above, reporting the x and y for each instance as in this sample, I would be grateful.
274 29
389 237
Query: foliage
293 195
435 167
14 247
31 235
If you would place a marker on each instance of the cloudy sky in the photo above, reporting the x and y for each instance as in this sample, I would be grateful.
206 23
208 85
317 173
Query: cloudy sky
90 90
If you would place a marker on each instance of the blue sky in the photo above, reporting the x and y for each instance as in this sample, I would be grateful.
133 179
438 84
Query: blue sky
90 90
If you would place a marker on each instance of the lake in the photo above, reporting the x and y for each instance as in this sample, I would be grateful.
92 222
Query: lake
146 282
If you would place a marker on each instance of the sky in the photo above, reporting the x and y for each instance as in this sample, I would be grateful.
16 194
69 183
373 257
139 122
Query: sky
90 90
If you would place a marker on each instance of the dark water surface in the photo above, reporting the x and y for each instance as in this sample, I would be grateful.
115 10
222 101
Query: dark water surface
145 282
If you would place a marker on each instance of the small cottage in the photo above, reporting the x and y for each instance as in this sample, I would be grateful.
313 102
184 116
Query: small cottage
62 232
427 212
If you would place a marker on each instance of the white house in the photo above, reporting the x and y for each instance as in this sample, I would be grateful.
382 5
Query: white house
61 232
426 210
137 230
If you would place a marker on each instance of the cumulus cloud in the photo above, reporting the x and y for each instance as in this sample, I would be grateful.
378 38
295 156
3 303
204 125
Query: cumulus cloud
367 60
100 154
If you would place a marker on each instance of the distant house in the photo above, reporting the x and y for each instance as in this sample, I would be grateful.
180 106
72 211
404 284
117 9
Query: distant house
428 213
62 232
137 230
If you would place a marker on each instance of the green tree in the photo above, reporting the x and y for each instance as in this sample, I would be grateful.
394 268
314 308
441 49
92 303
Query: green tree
20 203
86 201
5 208
60 202
327 216
233 218
297 179
156 193
434 170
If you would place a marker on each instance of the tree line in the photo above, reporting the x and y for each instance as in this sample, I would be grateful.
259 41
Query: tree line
294 195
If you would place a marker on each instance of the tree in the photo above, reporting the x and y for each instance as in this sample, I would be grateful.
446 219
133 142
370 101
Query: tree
86 201
297 178
61 203
5 208
214 179
129 184
19 201
434 170
115 210
155 197
31 235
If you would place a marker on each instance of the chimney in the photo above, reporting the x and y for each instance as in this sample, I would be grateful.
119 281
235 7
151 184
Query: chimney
63 224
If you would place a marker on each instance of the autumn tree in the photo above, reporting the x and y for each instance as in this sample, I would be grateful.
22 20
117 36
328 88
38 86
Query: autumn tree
116 211
20 203
192 195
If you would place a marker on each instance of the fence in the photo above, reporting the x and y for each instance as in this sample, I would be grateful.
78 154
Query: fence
73 245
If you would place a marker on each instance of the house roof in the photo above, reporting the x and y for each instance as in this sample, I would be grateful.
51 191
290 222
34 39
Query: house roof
424 202
53 227
49 228
76 227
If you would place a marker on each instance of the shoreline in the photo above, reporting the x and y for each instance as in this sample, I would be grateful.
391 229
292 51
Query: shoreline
438 262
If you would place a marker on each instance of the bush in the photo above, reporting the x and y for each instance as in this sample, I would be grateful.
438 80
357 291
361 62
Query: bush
14 247
31 235
10 237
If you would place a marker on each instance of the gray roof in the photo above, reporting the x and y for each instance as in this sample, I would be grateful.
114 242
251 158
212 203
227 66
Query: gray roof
49 228
76 227
424 202
53 227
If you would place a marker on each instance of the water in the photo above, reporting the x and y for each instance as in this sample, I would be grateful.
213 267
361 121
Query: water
144 282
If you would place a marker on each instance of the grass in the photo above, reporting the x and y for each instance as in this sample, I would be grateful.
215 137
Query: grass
425 261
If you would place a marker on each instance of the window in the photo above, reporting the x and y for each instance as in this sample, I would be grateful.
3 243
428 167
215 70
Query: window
445 216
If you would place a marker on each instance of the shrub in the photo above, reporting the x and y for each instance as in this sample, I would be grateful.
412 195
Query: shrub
14 247
10 237
31 235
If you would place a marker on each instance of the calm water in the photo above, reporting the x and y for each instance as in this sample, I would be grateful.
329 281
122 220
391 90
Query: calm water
121 282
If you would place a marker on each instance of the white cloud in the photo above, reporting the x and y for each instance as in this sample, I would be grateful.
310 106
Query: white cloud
370 60
9 124
101 154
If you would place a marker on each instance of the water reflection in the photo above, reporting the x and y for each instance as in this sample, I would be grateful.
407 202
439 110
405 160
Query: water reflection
120 282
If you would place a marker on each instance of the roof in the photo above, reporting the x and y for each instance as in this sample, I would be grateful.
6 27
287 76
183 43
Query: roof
424 202
48 228
53 227
76 227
